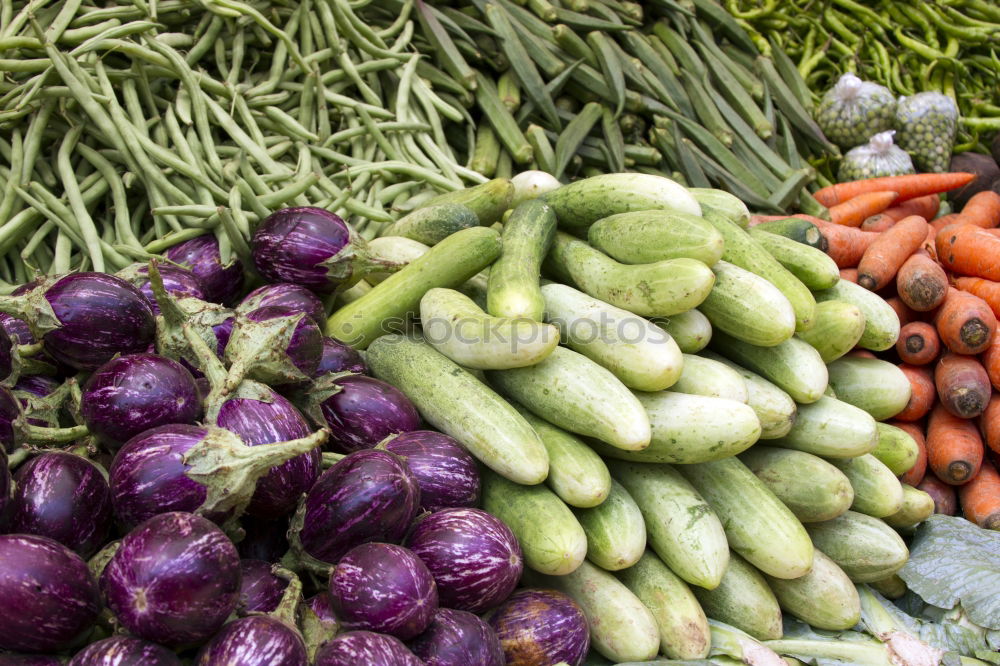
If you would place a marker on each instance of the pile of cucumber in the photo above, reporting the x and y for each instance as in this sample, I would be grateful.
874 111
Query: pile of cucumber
678 417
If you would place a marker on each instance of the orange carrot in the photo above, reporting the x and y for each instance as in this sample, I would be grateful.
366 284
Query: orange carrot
918 343
849 274
922 393
993 232
883 258
855 210
989 424
991 361
926 207
968 250
983 209
857 352
980 498
962 385
965 323
921 282
909 186
951 218
846 244
919 469
929 245
903 311
988 290
945 500
877 223
954 447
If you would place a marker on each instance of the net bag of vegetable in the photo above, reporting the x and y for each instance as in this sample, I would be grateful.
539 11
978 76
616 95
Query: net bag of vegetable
879 157
854 110
927 123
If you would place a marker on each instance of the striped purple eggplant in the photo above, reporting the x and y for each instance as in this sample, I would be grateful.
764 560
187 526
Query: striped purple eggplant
537 626
273 419
321 604
360 411
458 638
124 651
338 357
30 660
36 385
254 641
317 621
174 580
385 588
365 647
5 484
220 283
265 540
131 394
475 558
367 496
16 328
64 497
31 391
285 294
274 345
7 352
446 473
50 598
180 282
260 589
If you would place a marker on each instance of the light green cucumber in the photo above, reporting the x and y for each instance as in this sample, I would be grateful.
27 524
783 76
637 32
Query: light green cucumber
839 325
454 325
691 428
659 289
684 632
748 307
640 354
704 376
691 330
775 409
876 386
550 536
917 507
583 202
747 253
487 200
812 489
513 289
680 525
569 390
831 428
814 268
722 203
621 627
482 421
881 322
877 491
432 224
758 526
644 237
798 230
864 547
794 366
892 587
896 448
743 600
576 473
824 598
616 533
448 264
396 249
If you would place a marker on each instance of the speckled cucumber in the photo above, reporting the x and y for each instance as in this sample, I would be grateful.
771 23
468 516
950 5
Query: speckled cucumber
758 526
710 378
574 393
640 354
432 224
793 366
775 409
839 325
691 428
876 386
659 289
722 203
684 632
743 600
864 547
616 533
824 598
487 200
644 237
748 307
896 448
812 489
691 330
814 268
513 289
881 322
681 527
916 508
831 428
397 249
583 202
549 534
877 491
482 421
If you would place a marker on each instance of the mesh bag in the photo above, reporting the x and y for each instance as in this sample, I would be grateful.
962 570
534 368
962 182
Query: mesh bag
926 124
878 157
854 110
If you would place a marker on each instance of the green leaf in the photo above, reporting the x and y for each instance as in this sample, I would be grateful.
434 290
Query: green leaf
953 561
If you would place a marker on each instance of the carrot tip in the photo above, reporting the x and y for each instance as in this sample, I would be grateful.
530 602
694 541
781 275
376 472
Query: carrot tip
867 281
959 471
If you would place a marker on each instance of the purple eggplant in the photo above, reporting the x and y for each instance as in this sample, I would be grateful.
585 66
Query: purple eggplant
220 283
5 485
537 626
254 641
264 539
446 473
365 647
367 496
338 357
475 558
285 294
260 588
174 580
16 328
124 651
180 282
274 345
30 660
182 467
64 497
31 391
7 353
36 385
360 411
321 604
458 638
50 598
317 620
131 394
265 421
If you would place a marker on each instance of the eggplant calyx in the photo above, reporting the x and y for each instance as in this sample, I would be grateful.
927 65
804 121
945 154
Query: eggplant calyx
43 435
100 560
290 599
311 399
314 631
330 458
257 350
33 308
354 261
297 559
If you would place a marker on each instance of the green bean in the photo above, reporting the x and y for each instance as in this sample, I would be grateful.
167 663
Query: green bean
14 177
